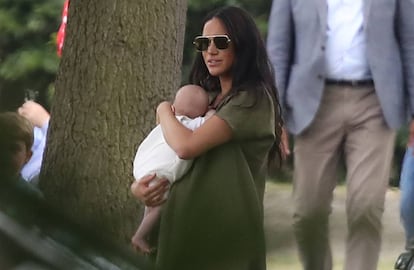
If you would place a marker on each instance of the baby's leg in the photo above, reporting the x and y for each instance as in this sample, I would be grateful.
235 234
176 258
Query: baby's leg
139 240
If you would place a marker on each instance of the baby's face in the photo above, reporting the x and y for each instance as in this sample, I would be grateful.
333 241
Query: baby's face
13 156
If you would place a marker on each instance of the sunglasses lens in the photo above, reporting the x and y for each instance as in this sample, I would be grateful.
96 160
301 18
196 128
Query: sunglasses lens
201 43
221 43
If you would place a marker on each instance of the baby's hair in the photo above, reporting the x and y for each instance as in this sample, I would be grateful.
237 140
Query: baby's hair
15 127
191 100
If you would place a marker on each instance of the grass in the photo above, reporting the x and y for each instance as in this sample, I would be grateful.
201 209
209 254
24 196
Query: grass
281 248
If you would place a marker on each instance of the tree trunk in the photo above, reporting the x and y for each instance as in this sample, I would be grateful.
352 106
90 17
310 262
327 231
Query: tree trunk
120 59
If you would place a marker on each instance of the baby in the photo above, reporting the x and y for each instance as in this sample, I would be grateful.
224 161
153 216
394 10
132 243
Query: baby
154 155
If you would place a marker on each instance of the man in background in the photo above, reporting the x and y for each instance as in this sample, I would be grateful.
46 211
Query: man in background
345 75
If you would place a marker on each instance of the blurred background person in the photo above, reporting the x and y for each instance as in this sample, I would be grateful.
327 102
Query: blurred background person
345 75
405 260
39 118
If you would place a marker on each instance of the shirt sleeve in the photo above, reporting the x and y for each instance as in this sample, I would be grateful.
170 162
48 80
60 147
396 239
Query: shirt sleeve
32 167
248 117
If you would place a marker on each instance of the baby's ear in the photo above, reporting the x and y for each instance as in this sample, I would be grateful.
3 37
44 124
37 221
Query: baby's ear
173 109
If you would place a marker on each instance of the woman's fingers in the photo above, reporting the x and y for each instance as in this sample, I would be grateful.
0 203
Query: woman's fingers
155 193
151 195
138 188
156 200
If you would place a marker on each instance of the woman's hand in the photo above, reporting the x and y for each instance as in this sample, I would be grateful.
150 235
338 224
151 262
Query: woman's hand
150 195
284 144
165 107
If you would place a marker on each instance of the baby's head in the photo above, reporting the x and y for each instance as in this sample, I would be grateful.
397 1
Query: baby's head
191 100
16 139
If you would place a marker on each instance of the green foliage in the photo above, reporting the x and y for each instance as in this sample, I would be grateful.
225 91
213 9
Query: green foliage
17 64
27 48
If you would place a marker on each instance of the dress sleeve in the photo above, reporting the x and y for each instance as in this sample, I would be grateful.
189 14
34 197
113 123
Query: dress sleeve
248 119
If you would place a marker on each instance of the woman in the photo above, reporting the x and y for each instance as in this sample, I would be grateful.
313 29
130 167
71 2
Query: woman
213 218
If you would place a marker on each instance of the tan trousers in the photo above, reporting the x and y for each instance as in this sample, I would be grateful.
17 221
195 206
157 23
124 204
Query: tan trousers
348 125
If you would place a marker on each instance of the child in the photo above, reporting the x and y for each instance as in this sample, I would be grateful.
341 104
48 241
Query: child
16 139
154 155
39 117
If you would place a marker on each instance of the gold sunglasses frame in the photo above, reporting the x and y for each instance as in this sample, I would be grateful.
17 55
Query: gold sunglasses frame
212 39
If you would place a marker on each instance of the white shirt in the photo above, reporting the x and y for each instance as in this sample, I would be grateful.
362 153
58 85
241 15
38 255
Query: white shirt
32 168
346 47
154 155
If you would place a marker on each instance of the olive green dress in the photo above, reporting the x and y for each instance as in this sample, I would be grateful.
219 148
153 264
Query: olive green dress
213 218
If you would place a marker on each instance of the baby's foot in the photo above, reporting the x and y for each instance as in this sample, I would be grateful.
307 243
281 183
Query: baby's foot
141 245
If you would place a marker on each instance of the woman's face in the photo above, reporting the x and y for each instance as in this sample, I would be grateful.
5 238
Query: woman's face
218 61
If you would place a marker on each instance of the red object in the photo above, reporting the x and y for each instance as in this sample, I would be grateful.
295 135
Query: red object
60 38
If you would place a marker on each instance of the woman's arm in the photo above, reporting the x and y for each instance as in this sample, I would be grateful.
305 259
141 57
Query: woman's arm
189 144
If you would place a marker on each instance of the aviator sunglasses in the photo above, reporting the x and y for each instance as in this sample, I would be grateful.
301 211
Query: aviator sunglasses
201 43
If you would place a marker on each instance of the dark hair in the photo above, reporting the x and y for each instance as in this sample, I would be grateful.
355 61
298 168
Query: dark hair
251 69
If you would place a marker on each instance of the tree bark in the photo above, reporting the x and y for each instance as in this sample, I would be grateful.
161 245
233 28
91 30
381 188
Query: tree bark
120 59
